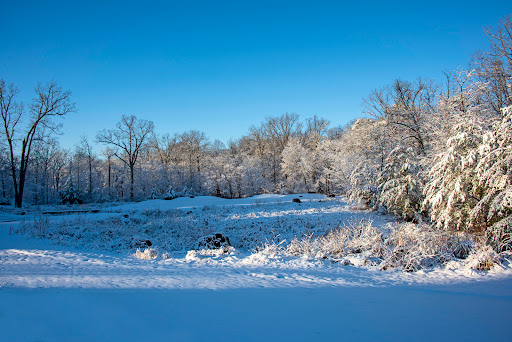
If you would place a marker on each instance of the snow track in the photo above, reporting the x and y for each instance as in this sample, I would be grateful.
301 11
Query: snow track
37 268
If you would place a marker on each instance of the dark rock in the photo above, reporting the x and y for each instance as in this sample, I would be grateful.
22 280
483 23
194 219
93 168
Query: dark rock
331 195
296 200
140 243
214 241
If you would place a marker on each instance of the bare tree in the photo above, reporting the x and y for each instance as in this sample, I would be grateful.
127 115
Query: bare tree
50 101
58 161
406 107
278 130
165 148
128 138
194 145
315 131
494 67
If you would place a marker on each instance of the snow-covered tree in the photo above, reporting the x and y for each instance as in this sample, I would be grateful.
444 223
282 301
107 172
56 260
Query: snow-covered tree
494 170
170 194
400 184
333 164
364 189
70 195
453 190
297 166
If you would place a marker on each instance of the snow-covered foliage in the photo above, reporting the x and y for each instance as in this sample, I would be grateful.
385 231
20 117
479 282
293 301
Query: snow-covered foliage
335 164
494 172
453 190
153 194
70 195
400 184
364 186
469 187
146 254
413 247
297 167
186 192
353 238
170 194
406 246
483 259
38 227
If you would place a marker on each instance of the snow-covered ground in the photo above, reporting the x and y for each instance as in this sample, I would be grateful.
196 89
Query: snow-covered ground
78 289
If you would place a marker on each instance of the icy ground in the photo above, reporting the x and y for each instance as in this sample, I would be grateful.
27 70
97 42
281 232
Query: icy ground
75 291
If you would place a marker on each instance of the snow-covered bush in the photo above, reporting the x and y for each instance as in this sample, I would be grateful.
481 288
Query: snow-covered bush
483 258
70 195
406 246
415 246
357 237
400 185
146 254
153 194
36 228
186 192
170 194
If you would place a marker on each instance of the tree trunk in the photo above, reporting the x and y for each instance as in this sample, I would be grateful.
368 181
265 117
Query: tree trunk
109 177
18 198
131 182
90 178
3 187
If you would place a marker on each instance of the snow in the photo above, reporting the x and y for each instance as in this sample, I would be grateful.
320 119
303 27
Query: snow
59 292
202 201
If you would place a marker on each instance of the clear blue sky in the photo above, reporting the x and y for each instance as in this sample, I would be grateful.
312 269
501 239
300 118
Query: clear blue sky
221 66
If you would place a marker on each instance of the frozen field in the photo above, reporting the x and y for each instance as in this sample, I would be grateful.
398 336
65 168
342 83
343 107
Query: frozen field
84 282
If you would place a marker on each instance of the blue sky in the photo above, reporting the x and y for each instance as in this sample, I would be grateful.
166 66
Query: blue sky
222 66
